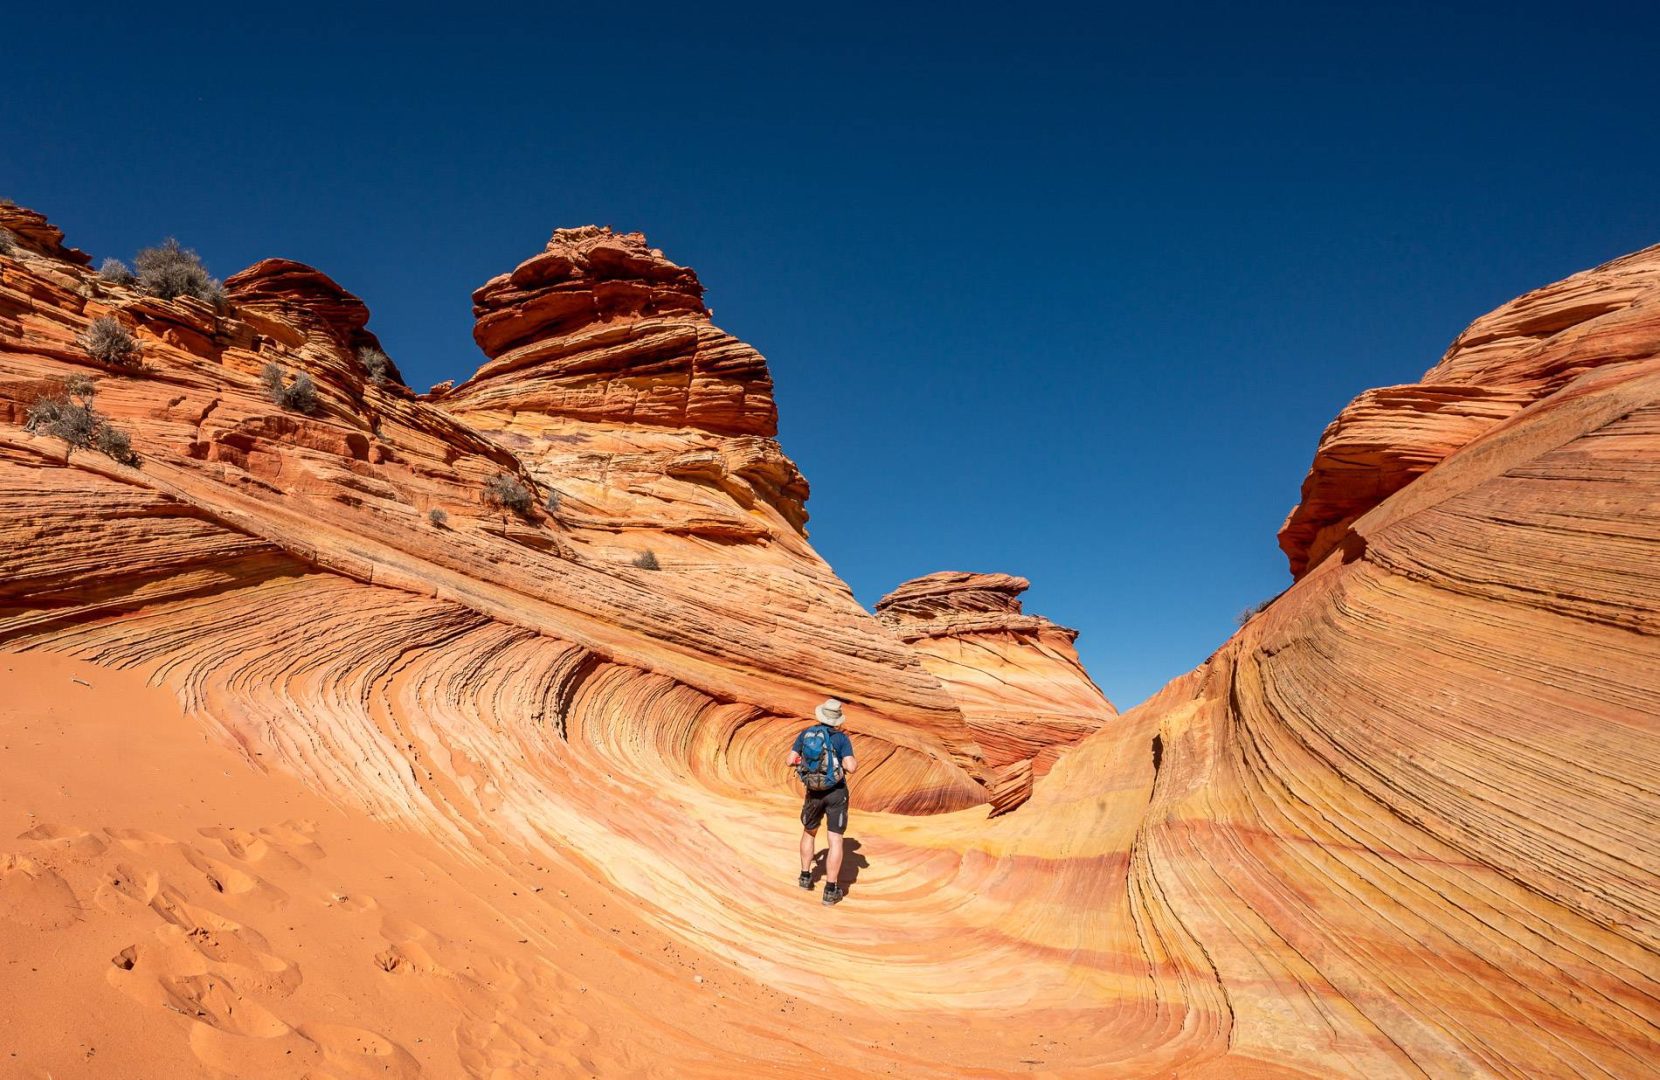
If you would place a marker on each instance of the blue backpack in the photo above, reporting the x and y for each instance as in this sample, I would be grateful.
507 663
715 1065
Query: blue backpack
820 769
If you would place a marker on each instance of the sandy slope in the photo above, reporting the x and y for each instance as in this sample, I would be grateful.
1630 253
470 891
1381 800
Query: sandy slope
168 911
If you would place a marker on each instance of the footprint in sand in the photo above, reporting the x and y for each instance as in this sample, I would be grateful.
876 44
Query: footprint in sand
288 1054
216 1001
142 971
226 943
359 1054
36 895
123 887
230 1030
239 843
296 838
224 878
408 958
71 843
411 949
353 902
141 841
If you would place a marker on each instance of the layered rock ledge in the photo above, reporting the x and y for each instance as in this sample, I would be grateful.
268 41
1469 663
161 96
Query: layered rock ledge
1503 362
1017 677
600 326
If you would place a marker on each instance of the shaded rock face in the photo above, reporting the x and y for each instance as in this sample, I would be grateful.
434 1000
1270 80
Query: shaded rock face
1505 361
481 795
1016 677
601 327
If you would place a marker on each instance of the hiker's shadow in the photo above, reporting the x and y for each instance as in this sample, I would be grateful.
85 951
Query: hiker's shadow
853 861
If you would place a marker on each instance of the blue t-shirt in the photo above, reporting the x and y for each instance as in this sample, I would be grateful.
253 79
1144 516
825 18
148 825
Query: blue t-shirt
840 745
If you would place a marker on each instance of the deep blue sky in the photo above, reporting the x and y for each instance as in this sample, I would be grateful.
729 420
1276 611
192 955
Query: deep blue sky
1061 291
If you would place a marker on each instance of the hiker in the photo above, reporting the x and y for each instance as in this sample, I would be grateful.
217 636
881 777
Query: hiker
823 758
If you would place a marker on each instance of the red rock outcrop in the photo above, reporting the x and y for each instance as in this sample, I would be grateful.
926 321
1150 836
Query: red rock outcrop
39 235
1016 677
294 777
602 327
1504 361
286 298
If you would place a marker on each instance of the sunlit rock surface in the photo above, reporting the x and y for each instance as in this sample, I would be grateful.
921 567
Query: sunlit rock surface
296 781
1016 677
600 326
1506 360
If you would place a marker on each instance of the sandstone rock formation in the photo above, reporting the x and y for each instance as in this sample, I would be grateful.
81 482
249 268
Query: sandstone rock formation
285 299
1506 360
35 233
1016 677
297 779
599 326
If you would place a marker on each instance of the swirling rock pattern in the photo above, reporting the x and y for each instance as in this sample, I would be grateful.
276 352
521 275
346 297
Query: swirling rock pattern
348 793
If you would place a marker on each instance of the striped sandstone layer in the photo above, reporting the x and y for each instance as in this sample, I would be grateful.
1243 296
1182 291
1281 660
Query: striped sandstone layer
1504 361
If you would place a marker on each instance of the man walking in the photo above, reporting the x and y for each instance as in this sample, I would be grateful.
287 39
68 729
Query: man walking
823 758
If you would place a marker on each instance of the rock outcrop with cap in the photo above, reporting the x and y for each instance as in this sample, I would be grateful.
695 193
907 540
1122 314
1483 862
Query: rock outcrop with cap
1016 677
600 326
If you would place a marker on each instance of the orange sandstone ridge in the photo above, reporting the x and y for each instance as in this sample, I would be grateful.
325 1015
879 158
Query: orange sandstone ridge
1505 361
297 779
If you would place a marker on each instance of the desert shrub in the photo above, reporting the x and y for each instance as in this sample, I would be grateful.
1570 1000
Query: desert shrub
169 270
116 443
1253 611
8 242
116 272
376 365
68 415
107 341
550 505
647 560
503 492
296 393
438 518
507 493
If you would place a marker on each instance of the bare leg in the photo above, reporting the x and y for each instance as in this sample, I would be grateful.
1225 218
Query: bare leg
809 842
833 865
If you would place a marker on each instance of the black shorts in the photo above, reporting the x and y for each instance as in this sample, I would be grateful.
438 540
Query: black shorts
830 804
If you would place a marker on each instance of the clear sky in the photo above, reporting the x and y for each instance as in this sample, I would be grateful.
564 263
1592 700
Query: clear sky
1068 292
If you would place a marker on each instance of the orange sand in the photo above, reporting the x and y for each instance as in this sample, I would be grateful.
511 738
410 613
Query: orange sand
168 911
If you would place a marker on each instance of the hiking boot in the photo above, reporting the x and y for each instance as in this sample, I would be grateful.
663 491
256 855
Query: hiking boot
833 893
805 880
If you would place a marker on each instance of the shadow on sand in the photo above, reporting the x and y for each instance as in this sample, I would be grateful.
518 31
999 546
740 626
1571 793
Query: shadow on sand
853 861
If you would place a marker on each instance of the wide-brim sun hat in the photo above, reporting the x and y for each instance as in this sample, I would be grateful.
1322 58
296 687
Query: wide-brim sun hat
830 713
